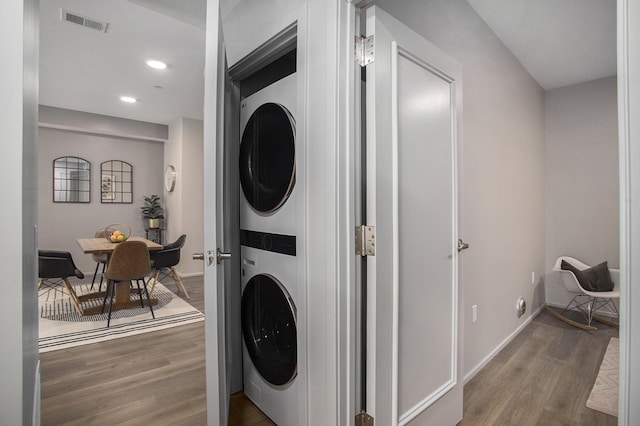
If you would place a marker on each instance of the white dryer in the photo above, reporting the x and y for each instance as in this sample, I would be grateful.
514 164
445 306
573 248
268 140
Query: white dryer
267 159
269 331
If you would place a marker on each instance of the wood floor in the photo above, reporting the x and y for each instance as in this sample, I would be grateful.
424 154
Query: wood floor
543 377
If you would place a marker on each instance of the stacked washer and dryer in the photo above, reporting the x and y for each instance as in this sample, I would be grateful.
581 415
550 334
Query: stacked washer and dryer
268 249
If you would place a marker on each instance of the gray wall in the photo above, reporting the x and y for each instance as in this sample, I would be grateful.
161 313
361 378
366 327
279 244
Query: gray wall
502 174
61 224
582 201
184 211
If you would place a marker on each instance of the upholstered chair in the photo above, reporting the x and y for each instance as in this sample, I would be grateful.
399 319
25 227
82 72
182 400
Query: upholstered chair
129 262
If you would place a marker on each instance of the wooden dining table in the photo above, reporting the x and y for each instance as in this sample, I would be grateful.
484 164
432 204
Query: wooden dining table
123 289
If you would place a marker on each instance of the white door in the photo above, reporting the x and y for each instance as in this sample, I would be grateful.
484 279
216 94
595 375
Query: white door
413 105
215 294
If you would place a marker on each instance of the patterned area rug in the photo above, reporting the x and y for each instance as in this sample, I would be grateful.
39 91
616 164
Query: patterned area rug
604 395
61 327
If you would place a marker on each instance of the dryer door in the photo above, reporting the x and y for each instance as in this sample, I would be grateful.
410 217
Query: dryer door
267 157
269 329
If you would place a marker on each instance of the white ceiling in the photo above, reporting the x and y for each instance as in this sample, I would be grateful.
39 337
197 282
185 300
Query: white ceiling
87 70
560 42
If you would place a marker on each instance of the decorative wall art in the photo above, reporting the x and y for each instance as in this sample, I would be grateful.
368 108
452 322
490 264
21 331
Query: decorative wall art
116 185
108 188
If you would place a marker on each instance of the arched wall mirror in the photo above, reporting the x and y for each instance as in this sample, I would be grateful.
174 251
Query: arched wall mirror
71 180
116 182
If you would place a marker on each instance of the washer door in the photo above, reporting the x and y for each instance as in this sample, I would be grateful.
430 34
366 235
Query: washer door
267 157
269 329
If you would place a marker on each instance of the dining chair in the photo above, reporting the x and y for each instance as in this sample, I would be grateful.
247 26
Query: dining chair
129 262
165 260
55 267
100 259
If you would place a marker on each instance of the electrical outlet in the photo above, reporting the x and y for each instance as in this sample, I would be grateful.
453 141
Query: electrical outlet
533 277
474 313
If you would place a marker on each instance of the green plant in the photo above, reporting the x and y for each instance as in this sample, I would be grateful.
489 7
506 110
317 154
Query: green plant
152 208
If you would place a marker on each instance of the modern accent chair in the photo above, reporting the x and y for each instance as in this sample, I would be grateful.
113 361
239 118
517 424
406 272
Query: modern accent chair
55 267
129 262
166 259
594 289
100 259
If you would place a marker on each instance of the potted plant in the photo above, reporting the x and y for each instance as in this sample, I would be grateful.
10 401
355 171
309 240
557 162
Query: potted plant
152 211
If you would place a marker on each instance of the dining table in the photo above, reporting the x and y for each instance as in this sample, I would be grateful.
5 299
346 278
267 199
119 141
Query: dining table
122 289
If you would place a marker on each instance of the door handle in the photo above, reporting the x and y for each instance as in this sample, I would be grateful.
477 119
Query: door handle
197 256
220 256
210 257
462 245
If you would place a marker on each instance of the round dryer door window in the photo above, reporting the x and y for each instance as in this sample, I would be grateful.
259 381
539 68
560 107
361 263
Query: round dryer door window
269 329
267 157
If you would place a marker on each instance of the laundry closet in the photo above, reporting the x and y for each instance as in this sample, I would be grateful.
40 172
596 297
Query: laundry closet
261 157
320 300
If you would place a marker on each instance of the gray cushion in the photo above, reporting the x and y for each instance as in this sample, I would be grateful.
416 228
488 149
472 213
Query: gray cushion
596 278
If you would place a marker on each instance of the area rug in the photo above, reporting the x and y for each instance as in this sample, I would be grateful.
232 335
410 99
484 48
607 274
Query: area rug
604 395
61 327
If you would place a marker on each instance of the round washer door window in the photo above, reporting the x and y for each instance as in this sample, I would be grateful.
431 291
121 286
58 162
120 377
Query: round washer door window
267 157
269 329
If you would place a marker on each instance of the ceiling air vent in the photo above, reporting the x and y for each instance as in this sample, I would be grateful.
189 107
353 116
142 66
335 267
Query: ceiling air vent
74 18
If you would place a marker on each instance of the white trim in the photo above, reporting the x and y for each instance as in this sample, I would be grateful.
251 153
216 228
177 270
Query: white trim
347 264
395 262
475 370
625 208
190 274
75 129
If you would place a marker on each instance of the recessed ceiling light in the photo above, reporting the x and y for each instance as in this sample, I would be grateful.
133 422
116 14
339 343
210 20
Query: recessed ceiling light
128 99
156 64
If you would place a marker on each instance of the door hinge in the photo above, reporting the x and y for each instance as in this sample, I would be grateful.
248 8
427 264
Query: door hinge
364 50
365 240
363 419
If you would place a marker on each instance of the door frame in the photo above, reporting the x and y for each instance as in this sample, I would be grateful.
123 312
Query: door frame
628 45
628 34
326 126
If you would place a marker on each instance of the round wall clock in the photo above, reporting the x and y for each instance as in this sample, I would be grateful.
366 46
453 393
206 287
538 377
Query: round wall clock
170 178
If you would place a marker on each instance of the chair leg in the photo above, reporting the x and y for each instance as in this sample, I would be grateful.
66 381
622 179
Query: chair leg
40 282
155 280
179 282
73 295
95 274
144 283
104 266
110 303
140 293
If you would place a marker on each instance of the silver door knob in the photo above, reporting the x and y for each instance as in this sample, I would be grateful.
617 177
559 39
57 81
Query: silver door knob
462 245
197 256
209 256
220 256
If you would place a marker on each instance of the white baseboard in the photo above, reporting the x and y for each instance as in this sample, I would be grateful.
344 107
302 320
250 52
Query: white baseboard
191 274
475 370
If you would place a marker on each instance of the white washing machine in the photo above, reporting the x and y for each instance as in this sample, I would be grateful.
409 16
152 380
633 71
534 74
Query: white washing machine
269 331
268 249
267 159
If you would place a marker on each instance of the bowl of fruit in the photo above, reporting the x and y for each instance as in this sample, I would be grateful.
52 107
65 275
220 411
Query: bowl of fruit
117 232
